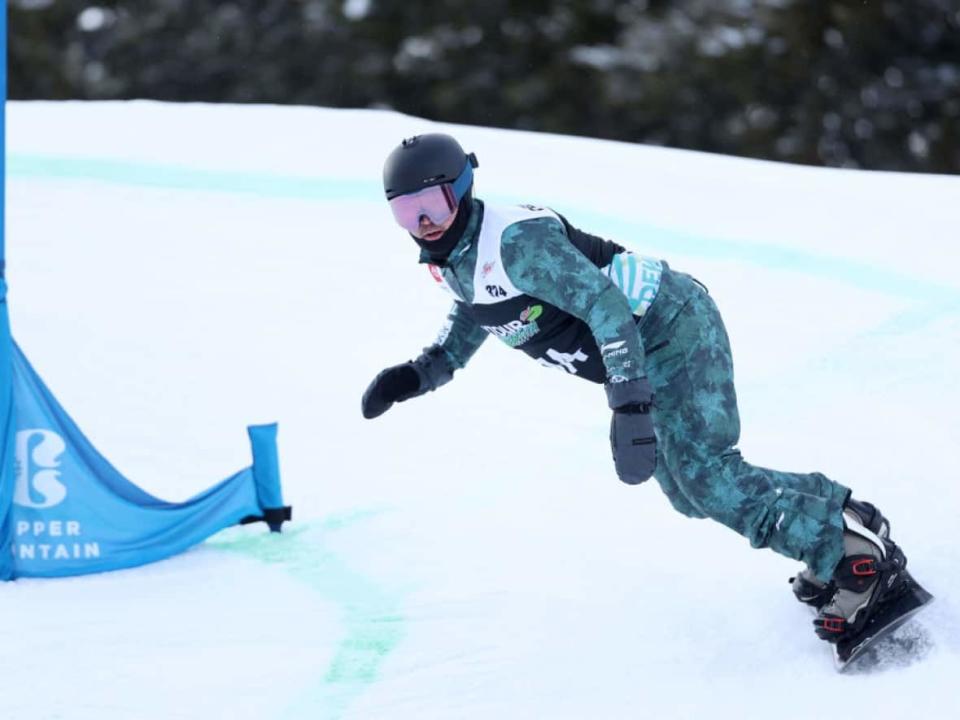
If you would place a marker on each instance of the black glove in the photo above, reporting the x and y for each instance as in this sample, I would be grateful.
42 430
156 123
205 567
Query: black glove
402 382
632 438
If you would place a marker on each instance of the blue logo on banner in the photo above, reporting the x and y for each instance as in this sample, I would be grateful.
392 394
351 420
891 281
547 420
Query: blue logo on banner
38 486
37 459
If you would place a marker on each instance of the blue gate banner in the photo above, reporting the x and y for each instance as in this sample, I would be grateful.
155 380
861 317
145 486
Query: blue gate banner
72 512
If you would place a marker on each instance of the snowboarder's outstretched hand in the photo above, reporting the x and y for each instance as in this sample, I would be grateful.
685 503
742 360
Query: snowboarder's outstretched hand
631 430
394 384
402 382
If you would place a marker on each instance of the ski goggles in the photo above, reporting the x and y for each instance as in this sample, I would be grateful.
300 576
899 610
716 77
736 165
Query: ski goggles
437 202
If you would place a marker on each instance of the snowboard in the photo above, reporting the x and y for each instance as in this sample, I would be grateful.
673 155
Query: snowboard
862 651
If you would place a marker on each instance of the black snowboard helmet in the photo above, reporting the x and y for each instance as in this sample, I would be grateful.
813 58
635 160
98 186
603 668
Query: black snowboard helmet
426 160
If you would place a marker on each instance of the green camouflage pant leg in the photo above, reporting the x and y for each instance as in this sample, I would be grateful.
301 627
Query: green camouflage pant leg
670 487
697 424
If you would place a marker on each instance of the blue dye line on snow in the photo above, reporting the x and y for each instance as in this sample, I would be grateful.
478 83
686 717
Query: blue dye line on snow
935 300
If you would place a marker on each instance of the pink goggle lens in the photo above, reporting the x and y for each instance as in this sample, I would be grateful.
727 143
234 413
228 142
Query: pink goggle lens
436 203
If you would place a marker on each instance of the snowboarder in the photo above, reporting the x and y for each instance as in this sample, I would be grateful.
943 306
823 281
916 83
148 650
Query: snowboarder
654 337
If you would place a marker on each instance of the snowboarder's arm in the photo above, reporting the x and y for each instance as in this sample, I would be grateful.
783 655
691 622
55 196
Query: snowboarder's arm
458 341
460 336
541 261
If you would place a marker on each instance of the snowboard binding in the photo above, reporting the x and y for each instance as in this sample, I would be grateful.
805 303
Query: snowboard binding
871 593
892 611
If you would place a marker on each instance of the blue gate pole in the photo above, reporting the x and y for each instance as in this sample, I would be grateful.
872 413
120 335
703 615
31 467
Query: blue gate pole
6 363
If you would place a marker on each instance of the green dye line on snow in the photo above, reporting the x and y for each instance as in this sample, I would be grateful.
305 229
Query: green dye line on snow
173 177
371 617
932 299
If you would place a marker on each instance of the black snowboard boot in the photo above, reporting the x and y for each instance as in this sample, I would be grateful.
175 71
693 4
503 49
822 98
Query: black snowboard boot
808 588
872 569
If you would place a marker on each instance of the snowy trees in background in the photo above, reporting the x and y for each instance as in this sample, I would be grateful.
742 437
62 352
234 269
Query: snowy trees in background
865 83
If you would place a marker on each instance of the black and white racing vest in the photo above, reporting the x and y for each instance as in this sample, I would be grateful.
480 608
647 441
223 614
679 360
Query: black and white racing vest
552 336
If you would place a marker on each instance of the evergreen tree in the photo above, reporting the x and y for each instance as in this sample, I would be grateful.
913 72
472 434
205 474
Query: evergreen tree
856 83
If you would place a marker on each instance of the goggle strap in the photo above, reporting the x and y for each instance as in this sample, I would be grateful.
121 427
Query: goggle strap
464 181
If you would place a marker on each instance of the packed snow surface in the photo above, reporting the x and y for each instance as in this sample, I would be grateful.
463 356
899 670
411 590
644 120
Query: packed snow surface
179 271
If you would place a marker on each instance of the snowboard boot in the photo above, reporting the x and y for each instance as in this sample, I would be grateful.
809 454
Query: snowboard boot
873 568
811 590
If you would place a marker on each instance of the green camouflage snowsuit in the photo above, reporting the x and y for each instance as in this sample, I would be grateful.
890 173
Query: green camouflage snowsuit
588 307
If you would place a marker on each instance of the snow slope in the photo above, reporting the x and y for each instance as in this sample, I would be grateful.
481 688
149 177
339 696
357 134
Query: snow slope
179 271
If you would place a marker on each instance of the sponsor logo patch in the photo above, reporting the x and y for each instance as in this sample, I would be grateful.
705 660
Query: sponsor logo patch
517 332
